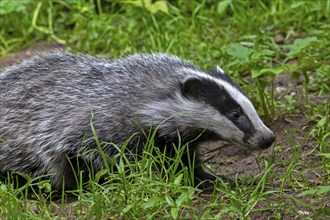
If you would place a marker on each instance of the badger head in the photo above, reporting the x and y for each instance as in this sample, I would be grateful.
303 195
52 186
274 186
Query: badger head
192 101
219 104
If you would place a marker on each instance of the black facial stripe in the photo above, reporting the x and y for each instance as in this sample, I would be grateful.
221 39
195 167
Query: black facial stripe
218 97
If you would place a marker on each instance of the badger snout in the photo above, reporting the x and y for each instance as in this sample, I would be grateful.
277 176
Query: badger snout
266 140
261 140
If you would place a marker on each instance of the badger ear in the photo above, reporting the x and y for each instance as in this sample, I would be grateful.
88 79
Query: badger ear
219 70
223 75
192 87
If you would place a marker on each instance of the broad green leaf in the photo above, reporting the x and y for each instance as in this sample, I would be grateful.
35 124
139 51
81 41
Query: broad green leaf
178 179
321 190
266 52
240 52
223 5
170 201
324 155
255 55
45 185
159 6
322 122
299 45
185 197
151 7
153 202
310 63
8 6
291 67
100 174
255 73
296 4
127 208
273 71
175 212
3 188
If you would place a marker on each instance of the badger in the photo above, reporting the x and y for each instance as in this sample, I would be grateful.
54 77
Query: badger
46 105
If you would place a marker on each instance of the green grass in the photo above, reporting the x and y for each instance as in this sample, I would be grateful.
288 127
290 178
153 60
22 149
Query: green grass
257 42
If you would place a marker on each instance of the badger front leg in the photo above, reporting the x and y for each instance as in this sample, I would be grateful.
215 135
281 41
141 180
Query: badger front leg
203 178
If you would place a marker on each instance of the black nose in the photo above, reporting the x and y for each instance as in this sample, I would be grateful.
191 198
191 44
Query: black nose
267 141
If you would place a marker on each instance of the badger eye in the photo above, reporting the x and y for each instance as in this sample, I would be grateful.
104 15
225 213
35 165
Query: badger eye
235 115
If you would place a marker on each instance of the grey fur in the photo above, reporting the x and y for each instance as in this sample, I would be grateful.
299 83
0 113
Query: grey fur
46 105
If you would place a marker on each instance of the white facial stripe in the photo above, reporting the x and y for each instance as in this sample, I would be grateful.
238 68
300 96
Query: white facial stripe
241 99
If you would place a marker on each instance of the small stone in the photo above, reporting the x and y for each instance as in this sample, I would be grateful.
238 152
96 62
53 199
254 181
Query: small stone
279 38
